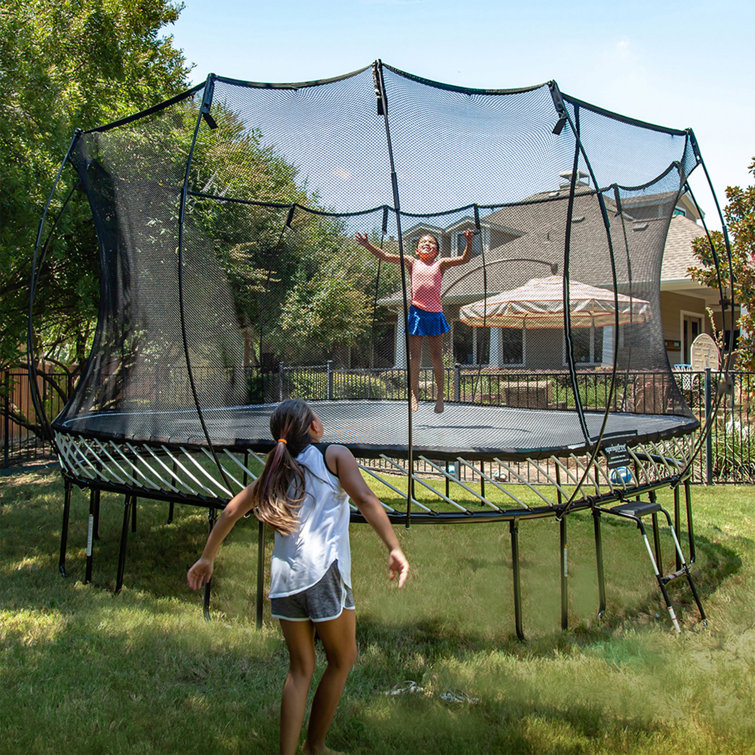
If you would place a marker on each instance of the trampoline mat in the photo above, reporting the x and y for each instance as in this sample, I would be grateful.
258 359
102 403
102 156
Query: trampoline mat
370 428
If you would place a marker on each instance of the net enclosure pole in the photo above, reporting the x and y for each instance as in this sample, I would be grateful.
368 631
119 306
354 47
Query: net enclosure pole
204 115
382 109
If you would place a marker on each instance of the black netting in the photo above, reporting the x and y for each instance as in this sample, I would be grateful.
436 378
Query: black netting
231 277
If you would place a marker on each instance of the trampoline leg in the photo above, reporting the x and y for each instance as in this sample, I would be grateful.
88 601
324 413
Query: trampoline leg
124 538
657 541
514 531
96 527
133 517
90 536
677 523
64 529
260 572
170 512
599 559
690 529
564 577
207 585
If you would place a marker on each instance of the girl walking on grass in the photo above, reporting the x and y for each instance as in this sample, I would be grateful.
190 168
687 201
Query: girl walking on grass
303 493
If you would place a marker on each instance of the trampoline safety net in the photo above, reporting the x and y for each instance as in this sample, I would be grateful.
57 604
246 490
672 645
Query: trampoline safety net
231 278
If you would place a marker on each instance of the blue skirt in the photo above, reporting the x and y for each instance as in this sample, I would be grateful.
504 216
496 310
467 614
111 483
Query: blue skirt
424 323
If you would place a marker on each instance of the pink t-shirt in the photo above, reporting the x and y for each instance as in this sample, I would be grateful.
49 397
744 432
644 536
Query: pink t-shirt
426 281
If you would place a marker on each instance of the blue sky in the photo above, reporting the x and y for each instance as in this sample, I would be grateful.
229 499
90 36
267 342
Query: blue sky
677 64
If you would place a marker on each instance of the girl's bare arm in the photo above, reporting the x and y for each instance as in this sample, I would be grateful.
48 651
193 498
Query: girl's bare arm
362 240
464 257
340 458
239 505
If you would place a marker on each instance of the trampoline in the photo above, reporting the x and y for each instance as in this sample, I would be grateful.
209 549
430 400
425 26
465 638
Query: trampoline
371 428
230 280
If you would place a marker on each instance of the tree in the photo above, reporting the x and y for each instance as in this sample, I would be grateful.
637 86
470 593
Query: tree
739 214
66 64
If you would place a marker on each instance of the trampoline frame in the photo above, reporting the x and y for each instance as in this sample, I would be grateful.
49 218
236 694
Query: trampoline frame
175 474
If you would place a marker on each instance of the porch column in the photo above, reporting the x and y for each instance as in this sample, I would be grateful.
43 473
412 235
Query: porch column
608 345
496 350
400 341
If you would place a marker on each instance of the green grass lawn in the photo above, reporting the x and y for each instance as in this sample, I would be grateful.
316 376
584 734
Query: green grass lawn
85 670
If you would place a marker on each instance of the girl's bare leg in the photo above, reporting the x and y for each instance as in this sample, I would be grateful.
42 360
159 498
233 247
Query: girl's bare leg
299 636
339 641
415 357
436 352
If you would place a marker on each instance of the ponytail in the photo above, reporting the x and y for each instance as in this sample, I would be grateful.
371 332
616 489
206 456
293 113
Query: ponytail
279 490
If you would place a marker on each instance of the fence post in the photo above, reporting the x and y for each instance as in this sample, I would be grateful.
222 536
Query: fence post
457 382
281 376
330 380
709 438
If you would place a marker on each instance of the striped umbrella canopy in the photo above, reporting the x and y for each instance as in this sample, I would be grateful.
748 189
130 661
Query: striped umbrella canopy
539 303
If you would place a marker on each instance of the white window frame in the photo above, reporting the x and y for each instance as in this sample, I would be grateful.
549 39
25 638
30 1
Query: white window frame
594 333
683 332
496 348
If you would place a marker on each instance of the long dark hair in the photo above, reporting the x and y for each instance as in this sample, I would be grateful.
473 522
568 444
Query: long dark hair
279 490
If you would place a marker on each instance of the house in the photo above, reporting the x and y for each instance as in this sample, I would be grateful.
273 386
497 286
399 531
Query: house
525 240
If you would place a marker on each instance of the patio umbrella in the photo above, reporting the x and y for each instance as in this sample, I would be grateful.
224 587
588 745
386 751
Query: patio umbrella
539 303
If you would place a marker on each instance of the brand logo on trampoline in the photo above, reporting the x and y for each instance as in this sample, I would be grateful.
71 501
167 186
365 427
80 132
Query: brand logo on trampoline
619 448
617 455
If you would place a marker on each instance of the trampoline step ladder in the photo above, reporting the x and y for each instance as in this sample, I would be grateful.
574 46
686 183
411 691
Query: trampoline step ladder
635 511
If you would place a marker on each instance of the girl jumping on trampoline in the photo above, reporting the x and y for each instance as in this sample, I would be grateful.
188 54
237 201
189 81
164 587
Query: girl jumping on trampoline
303 493
426 319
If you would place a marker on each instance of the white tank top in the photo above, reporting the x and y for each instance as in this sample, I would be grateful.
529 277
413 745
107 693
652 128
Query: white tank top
322 536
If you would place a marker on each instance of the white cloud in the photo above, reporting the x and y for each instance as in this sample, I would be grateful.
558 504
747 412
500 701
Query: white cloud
343 174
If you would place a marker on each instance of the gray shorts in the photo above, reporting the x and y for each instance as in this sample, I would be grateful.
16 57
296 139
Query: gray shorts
324 601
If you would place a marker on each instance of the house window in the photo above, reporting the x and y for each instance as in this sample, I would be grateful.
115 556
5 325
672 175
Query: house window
471 345
512 346
587 345
461 242
679 211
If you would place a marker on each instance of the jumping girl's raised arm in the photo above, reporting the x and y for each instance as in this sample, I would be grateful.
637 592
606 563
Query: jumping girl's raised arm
362 240
464 257
341 460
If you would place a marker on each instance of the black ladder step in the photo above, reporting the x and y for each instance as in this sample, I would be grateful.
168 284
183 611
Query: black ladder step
636 508
683 572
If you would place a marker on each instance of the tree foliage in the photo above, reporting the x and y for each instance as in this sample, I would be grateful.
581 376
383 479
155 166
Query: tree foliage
739 214
66 64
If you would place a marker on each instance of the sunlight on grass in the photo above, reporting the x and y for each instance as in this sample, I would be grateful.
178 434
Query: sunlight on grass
85 670
30 628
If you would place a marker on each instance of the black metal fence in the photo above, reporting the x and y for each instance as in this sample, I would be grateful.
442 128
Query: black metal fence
20 434
727 454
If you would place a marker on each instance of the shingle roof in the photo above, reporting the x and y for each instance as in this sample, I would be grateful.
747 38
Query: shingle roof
678 255
637 243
